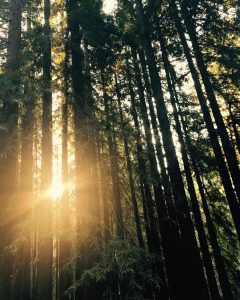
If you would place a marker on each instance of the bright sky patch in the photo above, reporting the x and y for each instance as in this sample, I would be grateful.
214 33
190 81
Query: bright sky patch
109 6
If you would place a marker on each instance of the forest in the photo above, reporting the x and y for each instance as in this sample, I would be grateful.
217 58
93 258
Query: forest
119 150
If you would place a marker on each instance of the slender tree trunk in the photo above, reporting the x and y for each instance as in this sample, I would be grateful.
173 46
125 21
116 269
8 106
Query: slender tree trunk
129 169
194 269
65 276
9 148
148 204
80 134
167 227
223 170
22 286
93 224
222 131
114 166
143 169
193 196
221 270
165 178
45 247
93 189
104 192
235 130
157 182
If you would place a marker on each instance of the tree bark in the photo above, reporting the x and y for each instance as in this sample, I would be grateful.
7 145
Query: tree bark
223 170
65 276
80 133
114 165
222 131
150 219
9 147
129 169
194 268
155 176
45 246
193 195
159 148
221 270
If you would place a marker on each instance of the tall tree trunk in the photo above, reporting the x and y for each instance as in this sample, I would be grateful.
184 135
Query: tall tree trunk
221 270
65 274
91 123
163 169
155 177
194 269
104 192
222 131
92 208
148 204
22 285
80 133
234 126
167 227
114 165
193 196
45 214
9 147
14 35
129 169
223 170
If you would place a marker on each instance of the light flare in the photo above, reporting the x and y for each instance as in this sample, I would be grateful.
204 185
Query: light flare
55 191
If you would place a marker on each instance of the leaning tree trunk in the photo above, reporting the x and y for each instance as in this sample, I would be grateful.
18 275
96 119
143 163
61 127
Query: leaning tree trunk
44 210
235 129
195 284
213 287
155 176
223 170
168 229
222 131
219 261
129 169
159 149
153 237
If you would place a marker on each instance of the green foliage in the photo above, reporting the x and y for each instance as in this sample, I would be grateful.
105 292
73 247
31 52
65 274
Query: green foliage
124 265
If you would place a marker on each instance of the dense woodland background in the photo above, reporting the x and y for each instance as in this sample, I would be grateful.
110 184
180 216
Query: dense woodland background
119 150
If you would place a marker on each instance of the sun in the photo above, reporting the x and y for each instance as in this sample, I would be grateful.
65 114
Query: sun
55 191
